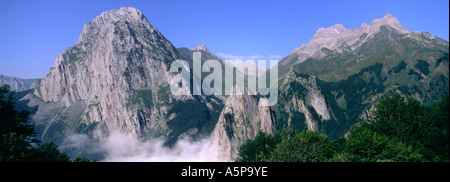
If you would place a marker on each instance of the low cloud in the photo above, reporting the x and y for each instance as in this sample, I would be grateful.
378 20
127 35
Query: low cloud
120 147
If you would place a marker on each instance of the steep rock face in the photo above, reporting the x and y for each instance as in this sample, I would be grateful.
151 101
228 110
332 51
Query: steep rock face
301 103
119 70
240 120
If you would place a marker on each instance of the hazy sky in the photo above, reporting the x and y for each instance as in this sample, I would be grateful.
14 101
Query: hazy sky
34 32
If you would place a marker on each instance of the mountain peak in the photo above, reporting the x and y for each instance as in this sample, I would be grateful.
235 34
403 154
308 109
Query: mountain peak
337 35
335 29
124 13
388 20
111 21
118 57
388 15
201 47
334 36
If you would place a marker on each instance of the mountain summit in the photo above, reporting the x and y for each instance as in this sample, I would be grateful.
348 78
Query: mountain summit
200 48
109 21
387 20
334 36
337 37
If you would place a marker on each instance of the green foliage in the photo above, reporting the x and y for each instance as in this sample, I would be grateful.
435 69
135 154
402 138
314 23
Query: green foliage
16 135
367 146
45 152
191 114
298 121
440 85
409 121
23 104
339 113
83 159
287 146
354 89
142 97
400 67
308 146
414 73
164 93
445 57
17 142
297 89
281 118
255 150
73 55
423 66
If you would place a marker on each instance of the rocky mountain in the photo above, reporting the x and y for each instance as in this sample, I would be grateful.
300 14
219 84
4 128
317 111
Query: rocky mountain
116 78
350 69
17 84
338 39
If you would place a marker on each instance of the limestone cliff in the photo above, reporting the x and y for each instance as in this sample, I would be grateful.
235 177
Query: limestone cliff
116 76
241 119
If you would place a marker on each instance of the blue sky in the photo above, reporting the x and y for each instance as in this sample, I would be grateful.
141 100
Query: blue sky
34 32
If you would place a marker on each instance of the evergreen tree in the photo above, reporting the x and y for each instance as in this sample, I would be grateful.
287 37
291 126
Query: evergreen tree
17 142
16 135
255 150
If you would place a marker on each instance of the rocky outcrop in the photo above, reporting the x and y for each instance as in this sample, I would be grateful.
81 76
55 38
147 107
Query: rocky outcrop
301 94
240 120
200 48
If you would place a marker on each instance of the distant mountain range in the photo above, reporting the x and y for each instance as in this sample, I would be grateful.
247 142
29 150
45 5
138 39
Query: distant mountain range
17 84
116 78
